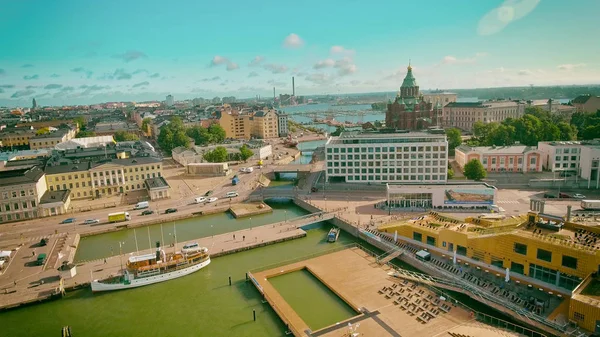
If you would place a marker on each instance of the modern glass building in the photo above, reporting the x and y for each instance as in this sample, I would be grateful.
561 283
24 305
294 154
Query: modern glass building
387 157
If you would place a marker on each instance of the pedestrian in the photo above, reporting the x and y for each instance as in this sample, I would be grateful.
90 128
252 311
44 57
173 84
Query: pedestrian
33 253
234 236
15 283
244 238
104 261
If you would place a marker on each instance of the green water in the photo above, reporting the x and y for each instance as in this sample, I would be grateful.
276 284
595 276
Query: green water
325 307
200 304
105 245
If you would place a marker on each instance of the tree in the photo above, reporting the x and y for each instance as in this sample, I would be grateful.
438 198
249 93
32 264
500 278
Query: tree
124 136
217 132
567 131
245 153
474 170
80 121
200 135
338 131
173 135
42 131
82 134
454 138
502 135
450 174
529 130
218 155
145 123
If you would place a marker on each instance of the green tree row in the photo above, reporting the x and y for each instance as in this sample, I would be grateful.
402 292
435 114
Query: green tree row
220 154
588 124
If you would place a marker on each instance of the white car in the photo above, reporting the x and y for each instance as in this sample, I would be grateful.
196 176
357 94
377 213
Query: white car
213 199
91 221
578 196
232 194
200 200
242 169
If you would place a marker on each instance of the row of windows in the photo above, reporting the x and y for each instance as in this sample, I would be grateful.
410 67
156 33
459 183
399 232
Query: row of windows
386 149
391 170
415 178
567 150
532 161
545 255
97 183
16 194
565 158
406 163
17 216
385 156
103 173
565 165
18 206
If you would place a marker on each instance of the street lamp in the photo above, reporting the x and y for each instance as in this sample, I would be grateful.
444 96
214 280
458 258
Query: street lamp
121 253
285 212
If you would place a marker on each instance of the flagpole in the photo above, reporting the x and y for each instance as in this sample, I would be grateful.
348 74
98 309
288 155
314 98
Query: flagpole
136 244
162 236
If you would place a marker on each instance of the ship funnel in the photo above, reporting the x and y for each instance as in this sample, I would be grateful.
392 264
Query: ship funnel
158 257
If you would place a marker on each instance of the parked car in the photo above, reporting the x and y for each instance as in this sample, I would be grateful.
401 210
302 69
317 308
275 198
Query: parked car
69 220
564 195
549 195
91 221
208 193
200 200
170 210
44 242
578 196
213 199
147 212
232 194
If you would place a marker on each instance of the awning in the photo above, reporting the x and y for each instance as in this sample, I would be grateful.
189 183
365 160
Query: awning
5 253
551 217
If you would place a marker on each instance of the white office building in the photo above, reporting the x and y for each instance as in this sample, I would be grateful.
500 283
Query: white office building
590 164
282 123
396 158
560 156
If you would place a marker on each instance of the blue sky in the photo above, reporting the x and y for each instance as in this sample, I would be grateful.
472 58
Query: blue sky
79 52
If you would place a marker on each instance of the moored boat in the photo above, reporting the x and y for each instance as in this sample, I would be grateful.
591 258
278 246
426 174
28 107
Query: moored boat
333 234
148 269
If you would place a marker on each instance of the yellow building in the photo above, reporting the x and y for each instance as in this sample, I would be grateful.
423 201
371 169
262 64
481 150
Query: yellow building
547 256
264 124
16 137
87 179
236 125
48 140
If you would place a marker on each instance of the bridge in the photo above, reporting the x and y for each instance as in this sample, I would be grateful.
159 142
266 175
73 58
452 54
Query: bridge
305 220
300 169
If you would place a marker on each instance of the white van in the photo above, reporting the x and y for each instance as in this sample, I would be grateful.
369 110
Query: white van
231 194
249 170
141 205
200 200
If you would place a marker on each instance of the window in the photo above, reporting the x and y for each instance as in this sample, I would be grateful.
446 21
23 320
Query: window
431 240
544 255
417 236
520 248
578 316
569 262
460 250
494 161
517 268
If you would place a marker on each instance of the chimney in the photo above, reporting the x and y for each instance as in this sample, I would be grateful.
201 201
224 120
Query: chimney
293 87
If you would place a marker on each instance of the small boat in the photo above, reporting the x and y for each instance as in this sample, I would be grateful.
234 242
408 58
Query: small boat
192 248
333 234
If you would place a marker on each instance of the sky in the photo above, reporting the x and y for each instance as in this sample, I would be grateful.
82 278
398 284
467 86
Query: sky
67 52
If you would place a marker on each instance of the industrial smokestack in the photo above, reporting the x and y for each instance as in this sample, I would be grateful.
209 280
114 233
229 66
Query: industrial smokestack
293 87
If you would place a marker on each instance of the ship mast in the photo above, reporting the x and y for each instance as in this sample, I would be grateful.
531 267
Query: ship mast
137 250
175 236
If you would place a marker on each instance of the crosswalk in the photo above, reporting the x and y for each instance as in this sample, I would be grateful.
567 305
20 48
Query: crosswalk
508 202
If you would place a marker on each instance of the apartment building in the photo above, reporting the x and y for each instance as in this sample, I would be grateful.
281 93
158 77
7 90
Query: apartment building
590 164
20 193
518 158
15 137
282 124
93 179
440 97
49 140
264 124
464 115
235 124
387 157
560 156
586 103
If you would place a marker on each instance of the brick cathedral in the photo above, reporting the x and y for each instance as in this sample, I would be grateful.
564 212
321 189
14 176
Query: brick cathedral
409 111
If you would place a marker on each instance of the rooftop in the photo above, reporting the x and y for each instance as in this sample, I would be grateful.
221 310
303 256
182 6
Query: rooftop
157 182
56 134
21 176
515 149
55 196
350 137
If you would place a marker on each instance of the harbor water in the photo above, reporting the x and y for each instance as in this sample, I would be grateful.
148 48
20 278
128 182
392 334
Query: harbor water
106 245
200 304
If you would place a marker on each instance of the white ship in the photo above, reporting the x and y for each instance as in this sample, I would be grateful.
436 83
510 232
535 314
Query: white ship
148 269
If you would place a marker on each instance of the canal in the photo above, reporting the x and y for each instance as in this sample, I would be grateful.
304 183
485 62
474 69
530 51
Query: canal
106 245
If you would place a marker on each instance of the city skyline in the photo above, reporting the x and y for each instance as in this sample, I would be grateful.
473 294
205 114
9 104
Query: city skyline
138 51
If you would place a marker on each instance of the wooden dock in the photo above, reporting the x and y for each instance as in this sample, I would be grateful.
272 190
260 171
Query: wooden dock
249 209
357 279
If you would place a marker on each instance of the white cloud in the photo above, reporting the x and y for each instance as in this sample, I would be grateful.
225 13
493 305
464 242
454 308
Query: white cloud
346 66
341 50
319 78
221 60
509 11
293 41
257 60
525 72
276 68
327 63
569 66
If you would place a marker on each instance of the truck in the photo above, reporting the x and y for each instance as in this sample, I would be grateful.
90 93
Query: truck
118 217
592 205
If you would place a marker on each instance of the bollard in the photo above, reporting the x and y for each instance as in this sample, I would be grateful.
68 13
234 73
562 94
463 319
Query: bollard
254 314
229 280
